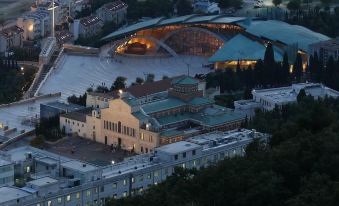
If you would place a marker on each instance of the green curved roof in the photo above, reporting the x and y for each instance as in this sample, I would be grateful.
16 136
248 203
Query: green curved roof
161 21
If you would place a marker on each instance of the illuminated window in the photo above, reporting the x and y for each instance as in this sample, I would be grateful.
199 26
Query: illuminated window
124 194
59 200
125 182
68 198
78 195
88 192
114 185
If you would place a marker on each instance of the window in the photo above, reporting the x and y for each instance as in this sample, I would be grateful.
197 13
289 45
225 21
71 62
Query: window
59 200
146 150
149 176
88 193
49 203
125 182
114 185
156 173
68 198
102 189
175 157
132 179
124 194
193 152
142 137
183 165
184 155
78 195
115 196
119 127
141 178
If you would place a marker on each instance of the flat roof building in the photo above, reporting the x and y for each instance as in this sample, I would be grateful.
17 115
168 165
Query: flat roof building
127 178
268 99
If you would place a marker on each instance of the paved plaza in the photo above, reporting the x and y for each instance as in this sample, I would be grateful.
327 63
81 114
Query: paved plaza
77 73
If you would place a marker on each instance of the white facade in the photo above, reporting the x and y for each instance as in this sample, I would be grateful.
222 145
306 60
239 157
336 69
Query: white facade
115 11
268 99
130 177
10 37
35 24
6 173
48 50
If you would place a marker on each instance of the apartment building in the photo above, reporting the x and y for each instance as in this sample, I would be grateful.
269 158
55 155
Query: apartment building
60 180
87 26
115 11
10 37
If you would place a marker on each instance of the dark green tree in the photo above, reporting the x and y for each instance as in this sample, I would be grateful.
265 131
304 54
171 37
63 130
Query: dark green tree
184 7
119 83
298 68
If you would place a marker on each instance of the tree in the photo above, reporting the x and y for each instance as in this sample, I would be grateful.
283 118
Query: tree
184 7
285 69
229 3
277 2
139 80
150 78
294 5
119 83
301 95
101 89
298 68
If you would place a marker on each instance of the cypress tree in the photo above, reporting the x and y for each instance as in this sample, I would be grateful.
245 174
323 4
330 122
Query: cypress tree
269 63
298 68
285 69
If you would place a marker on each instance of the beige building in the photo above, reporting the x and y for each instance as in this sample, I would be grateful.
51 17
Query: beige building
151 118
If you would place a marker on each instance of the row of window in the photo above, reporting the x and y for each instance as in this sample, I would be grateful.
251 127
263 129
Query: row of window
118 127
69 122
184 154
143 138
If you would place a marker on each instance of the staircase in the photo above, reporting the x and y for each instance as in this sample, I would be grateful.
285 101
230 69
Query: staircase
45 69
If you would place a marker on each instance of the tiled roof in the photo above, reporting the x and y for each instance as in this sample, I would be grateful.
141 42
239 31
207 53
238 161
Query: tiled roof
149 88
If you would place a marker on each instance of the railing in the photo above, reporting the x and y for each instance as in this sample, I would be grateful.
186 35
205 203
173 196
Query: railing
37 75
31 63
55 65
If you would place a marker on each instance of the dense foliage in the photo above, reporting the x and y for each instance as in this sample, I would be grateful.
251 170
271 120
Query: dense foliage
320 21
49 129
299 166
13 81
